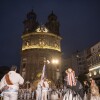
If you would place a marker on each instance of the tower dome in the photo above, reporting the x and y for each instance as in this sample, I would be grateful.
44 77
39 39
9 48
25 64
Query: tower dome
31 15
30 23
52 16
52 24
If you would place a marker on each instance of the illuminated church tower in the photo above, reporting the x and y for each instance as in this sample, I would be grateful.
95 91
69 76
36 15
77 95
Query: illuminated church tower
40 42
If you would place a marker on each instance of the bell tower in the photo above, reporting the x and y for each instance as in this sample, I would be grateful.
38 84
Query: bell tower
53 24
30 23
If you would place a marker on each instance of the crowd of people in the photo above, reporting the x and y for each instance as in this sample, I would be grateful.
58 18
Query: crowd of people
38 94
73 90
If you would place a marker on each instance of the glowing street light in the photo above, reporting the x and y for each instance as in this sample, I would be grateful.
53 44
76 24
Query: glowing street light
55 61
90 74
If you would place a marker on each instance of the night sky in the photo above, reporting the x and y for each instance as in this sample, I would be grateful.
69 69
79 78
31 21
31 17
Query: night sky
79 24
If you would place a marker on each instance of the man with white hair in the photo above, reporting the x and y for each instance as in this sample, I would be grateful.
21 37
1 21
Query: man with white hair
10 84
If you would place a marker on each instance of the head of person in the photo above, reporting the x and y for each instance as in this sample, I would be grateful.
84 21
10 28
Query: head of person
13 68
85 82
69 70
45 79
90 80
76 78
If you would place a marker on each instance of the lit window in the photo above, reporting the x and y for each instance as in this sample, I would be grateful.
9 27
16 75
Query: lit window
27 43
99 71
90 74
95 72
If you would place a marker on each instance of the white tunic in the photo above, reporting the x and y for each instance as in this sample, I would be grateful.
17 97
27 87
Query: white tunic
46 86
15 78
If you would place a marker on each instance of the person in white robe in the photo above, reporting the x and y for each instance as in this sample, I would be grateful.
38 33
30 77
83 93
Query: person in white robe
39 91
32 94
45 88
10 84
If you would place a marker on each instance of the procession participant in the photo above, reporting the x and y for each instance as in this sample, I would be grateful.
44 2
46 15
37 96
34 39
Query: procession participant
71 94
79 88
45 87
49 93
71 81
1 96
39 91
32 94
95 95
10 84
25 95
86 87
28 95
21 94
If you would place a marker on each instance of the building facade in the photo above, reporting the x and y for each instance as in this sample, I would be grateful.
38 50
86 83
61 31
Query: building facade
77 61
94 61
40 43
86 61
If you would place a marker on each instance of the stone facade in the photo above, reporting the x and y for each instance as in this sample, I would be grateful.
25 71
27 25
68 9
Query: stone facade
39 43
94 61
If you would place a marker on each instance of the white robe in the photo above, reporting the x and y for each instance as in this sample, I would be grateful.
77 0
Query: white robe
70 95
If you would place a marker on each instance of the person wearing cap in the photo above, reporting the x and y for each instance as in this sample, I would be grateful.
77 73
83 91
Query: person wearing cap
10 84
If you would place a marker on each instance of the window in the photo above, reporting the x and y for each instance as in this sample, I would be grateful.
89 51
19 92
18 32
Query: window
95 73
99 71
90 74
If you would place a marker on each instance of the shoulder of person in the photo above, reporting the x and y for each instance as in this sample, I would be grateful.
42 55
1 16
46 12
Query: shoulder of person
18 75
3 78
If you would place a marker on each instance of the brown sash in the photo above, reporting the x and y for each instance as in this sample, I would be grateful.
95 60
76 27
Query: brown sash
8 79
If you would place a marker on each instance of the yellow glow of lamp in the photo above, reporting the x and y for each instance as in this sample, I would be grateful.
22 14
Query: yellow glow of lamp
94 68
90 74
95 72
99 71
55 61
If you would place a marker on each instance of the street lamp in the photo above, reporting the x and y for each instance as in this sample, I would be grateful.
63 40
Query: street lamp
56 73
55 61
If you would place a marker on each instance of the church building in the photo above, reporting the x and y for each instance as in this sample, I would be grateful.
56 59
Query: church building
41 44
